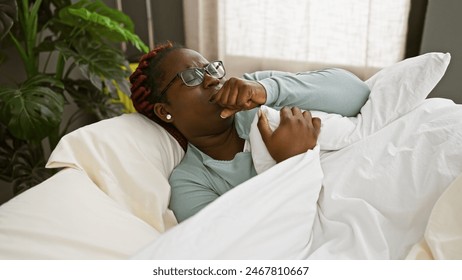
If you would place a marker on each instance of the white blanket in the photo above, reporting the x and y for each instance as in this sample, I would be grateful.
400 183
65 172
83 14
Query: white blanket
369 199
372 203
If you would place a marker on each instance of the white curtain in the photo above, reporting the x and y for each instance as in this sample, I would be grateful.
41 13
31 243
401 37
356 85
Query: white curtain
362 36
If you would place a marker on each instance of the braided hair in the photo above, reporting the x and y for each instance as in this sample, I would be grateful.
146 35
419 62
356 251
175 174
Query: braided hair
145 88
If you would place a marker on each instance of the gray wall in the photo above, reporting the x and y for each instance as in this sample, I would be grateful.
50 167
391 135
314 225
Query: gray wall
443 33
167 18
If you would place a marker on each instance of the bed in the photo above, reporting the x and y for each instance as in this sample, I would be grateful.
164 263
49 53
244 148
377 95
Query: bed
385 184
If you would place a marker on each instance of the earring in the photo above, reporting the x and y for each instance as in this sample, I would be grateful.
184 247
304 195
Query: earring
169 117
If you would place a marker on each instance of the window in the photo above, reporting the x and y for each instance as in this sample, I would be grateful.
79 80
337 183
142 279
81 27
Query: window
360 35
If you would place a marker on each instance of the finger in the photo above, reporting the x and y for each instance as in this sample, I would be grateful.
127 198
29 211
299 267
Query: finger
285 112
263 126
220 93
244 100
227 112
232 99
307 115
296 112
228 100
317 125
223 97
234 95
315 121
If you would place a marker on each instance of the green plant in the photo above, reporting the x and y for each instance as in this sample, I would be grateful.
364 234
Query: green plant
71 54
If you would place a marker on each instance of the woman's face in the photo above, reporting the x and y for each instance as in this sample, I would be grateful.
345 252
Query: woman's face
192 112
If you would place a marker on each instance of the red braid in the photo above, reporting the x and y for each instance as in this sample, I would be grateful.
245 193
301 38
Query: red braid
144 88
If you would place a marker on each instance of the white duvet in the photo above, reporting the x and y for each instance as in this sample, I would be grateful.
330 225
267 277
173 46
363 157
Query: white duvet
365 192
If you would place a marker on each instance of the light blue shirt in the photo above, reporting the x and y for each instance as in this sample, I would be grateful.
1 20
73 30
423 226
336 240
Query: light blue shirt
199 179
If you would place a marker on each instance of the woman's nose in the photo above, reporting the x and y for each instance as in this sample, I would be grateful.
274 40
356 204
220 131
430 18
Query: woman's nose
210 81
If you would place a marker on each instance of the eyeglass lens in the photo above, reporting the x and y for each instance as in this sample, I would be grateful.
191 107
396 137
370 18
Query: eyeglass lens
195 76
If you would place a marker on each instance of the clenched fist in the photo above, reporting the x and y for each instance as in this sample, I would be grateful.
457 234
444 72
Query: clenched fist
239 94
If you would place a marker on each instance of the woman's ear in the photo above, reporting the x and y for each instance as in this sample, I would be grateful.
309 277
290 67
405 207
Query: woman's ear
162 113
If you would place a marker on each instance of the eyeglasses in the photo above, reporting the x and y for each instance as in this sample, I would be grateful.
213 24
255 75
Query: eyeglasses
195 76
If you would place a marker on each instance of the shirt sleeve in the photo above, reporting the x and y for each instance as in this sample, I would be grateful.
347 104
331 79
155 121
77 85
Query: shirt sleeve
188 197
332 90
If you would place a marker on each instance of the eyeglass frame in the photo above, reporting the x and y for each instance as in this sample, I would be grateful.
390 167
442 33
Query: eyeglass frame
205 71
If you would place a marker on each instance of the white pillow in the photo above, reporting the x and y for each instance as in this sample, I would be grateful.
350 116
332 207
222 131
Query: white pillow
68 217
399 88
128 157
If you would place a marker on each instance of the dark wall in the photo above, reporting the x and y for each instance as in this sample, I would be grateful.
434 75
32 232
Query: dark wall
167 19
416 23
442 33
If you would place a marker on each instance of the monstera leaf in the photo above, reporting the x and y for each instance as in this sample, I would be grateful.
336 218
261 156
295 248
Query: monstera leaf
102 21
103 65
28 165
8 14
33 110
92 100
21 163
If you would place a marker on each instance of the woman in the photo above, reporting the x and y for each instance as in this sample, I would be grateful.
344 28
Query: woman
211 116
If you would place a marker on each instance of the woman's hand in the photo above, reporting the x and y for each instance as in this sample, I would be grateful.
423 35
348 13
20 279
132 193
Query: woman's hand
239 94
297 133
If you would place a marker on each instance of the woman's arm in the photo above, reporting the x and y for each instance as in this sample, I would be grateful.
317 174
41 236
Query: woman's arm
331 90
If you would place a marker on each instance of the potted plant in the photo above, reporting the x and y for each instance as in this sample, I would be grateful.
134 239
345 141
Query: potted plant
71 55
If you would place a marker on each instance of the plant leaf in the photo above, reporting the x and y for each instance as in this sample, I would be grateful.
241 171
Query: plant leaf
21 162
92 100
8 14
28 167
102 21
115 15
34 109
7 150
101 64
